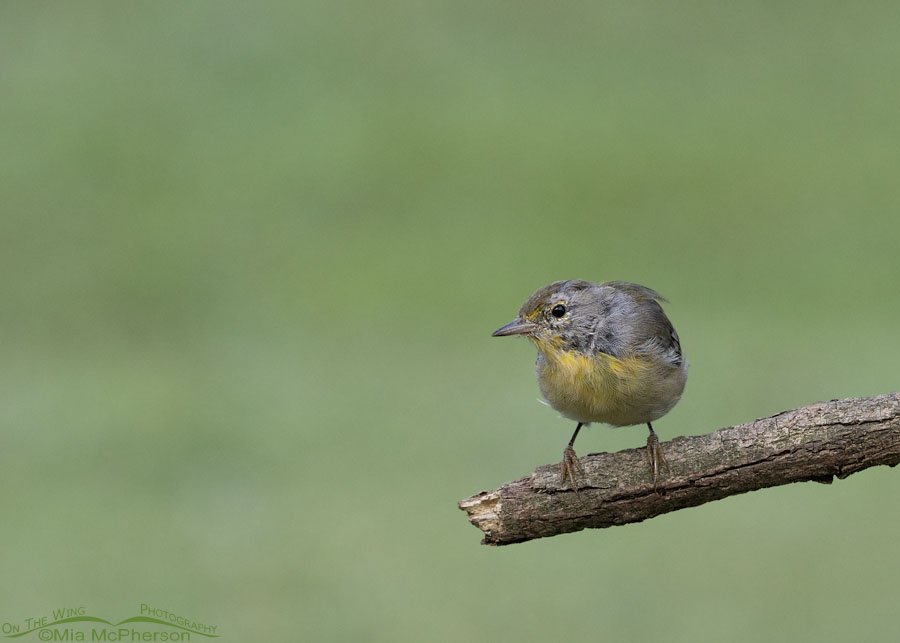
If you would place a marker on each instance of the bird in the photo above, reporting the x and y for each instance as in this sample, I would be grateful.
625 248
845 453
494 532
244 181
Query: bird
607 353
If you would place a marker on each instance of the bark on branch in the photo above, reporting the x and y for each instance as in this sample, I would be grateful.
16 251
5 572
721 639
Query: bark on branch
815 442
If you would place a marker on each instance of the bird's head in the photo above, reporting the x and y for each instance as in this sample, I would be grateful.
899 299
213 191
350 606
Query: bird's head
560 315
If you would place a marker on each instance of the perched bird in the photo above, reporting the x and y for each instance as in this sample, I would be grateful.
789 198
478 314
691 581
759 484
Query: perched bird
606 353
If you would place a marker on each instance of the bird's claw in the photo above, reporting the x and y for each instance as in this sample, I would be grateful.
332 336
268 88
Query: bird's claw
655 458
571 469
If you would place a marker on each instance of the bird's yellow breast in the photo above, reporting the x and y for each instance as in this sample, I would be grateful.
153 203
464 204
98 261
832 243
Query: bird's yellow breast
602 388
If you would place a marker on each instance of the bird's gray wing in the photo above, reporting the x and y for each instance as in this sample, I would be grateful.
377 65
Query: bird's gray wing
649 331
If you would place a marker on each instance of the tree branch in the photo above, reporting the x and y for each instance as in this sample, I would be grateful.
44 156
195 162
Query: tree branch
815 442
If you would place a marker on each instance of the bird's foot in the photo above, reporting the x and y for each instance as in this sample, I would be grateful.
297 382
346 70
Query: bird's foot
655 458
571 469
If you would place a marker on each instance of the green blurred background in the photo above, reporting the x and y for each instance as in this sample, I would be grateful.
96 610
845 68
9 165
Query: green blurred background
252 256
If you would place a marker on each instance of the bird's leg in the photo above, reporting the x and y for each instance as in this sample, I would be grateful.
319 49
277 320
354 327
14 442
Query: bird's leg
571 468
655 456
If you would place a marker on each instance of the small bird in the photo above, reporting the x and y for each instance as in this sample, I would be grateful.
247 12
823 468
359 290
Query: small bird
606 353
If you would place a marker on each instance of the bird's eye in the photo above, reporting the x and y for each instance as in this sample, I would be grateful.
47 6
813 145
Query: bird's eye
558 311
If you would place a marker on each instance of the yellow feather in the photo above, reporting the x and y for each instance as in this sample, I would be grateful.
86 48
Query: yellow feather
598 388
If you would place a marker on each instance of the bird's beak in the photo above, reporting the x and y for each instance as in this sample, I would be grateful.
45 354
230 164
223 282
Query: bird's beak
518 326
